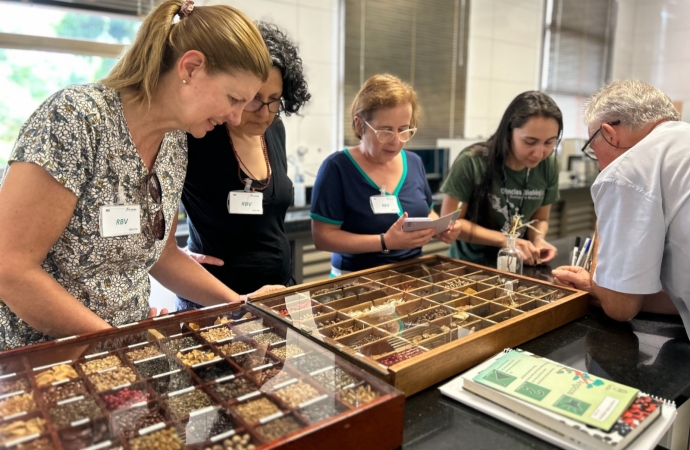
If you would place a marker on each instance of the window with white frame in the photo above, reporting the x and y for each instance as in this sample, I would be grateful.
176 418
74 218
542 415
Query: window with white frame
44 49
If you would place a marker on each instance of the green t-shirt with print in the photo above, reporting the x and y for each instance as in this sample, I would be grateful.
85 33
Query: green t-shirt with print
540 189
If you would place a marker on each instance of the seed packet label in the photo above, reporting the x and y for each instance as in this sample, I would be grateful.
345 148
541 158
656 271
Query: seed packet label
58 383
190 348
243 353
201 411
11 394
276 344
152 428
212 306
69 361
224 379
8 375
221 436
265 366
263 330
76 423
68 338
137 345
312 401
125 325
181 391
70 400
284 384
104 444
122 386
162 317
14 416
138 405
223 341
109 369
321 370
240 202
166 373
271 417
248 396
21 440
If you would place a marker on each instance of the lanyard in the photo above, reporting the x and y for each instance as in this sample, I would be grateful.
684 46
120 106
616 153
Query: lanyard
504 179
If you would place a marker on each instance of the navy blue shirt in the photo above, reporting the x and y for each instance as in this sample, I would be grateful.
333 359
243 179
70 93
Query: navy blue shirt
341 197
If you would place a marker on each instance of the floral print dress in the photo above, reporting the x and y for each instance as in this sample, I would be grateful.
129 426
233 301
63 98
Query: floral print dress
80 137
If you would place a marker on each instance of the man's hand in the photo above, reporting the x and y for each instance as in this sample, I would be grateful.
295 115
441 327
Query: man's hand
573 276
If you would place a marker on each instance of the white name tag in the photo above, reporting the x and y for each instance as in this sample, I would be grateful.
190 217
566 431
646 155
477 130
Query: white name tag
384 204
240 202
120 220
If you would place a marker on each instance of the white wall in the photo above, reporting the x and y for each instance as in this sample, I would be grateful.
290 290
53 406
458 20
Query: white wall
652 45
504 59
313 25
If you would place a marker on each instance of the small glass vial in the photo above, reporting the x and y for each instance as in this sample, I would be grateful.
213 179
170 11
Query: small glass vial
510 257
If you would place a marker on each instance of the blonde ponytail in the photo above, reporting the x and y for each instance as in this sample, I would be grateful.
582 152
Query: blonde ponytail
228 38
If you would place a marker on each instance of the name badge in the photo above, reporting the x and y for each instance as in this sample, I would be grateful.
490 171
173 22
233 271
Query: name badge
241 202
384 204
119 220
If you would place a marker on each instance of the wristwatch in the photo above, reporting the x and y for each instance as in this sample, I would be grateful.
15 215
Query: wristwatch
384 249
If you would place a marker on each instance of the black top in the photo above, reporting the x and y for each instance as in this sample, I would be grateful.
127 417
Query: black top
255 248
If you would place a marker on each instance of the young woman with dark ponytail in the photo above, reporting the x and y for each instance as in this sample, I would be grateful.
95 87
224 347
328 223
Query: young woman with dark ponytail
514 172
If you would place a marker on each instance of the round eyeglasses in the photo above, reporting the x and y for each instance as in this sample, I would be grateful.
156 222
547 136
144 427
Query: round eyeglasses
274 106
385 136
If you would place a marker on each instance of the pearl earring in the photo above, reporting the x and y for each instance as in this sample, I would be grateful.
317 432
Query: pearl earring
184 81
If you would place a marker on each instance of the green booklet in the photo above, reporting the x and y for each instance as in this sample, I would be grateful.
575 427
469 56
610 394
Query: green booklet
561 389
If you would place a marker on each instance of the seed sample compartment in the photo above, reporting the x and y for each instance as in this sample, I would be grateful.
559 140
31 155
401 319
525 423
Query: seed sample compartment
419 322
224 377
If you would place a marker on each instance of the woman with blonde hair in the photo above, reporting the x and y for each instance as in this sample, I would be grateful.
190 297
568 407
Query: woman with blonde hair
89 200
348 218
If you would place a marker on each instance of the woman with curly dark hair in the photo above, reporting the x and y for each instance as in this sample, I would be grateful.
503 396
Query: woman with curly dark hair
237 229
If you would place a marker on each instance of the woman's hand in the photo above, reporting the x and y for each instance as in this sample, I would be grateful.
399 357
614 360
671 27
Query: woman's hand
204 259
397 239
547 252
153 311
573 276
530 254
452 233
262 290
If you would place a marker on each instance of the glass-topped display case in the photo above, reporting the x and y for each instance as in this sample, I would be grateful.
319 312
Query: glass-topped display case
220 378
418 322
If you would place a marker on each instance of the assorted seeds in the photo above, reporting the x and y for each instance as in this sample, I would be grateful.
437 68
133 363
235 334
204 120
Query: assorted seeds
112 396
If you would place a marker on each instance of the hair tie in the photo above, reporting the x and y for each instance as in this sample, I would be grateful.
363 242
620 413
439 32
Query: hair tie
185 10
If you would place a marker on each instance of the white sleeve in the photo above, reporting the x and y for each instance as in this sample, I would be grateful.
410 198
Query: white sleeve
631 232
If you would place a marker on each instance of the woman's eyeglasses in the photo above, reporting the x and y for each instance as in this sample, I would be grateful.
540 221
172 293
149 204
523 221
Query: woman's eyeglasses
385 136
274 106
155 222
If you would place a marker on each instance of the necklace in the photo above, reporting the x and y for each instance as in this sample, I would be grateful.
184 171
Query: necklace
241 166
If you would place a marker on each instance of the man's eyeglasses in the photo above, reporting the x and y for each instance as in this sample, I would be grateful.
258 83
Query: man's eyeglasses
274 106
589 151
155 222
385 136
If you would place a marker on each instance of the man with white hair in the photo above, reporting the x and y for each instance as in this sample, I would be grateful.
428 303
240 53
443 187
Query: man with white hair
641 202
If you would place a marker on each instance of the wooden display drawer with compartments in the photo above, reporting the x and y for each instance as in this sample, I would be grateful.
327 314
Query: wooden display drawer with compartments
418 322
225 377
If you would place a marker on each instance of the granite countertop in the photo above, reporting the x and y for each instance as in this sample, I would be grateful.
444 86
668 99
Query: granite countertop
650 352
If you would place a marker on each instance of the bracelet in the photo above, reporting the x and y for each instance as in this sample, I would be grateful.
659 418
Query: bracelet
384 249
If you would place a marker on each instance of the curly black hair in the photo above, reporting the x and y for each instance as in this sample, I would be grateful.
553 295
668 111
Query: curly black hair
284 56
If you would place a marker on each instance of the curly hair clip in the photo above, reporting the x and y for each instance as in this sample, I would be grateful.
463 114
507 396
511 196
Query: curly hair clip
185 10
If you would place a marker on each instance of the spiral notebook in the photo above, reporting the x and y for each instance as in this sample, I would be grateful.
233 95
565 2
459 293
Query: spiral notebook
641 426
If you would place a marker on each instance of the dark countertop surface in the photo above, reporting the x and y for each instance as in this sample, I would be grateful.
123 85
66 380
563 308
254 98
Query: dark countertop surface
651 353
